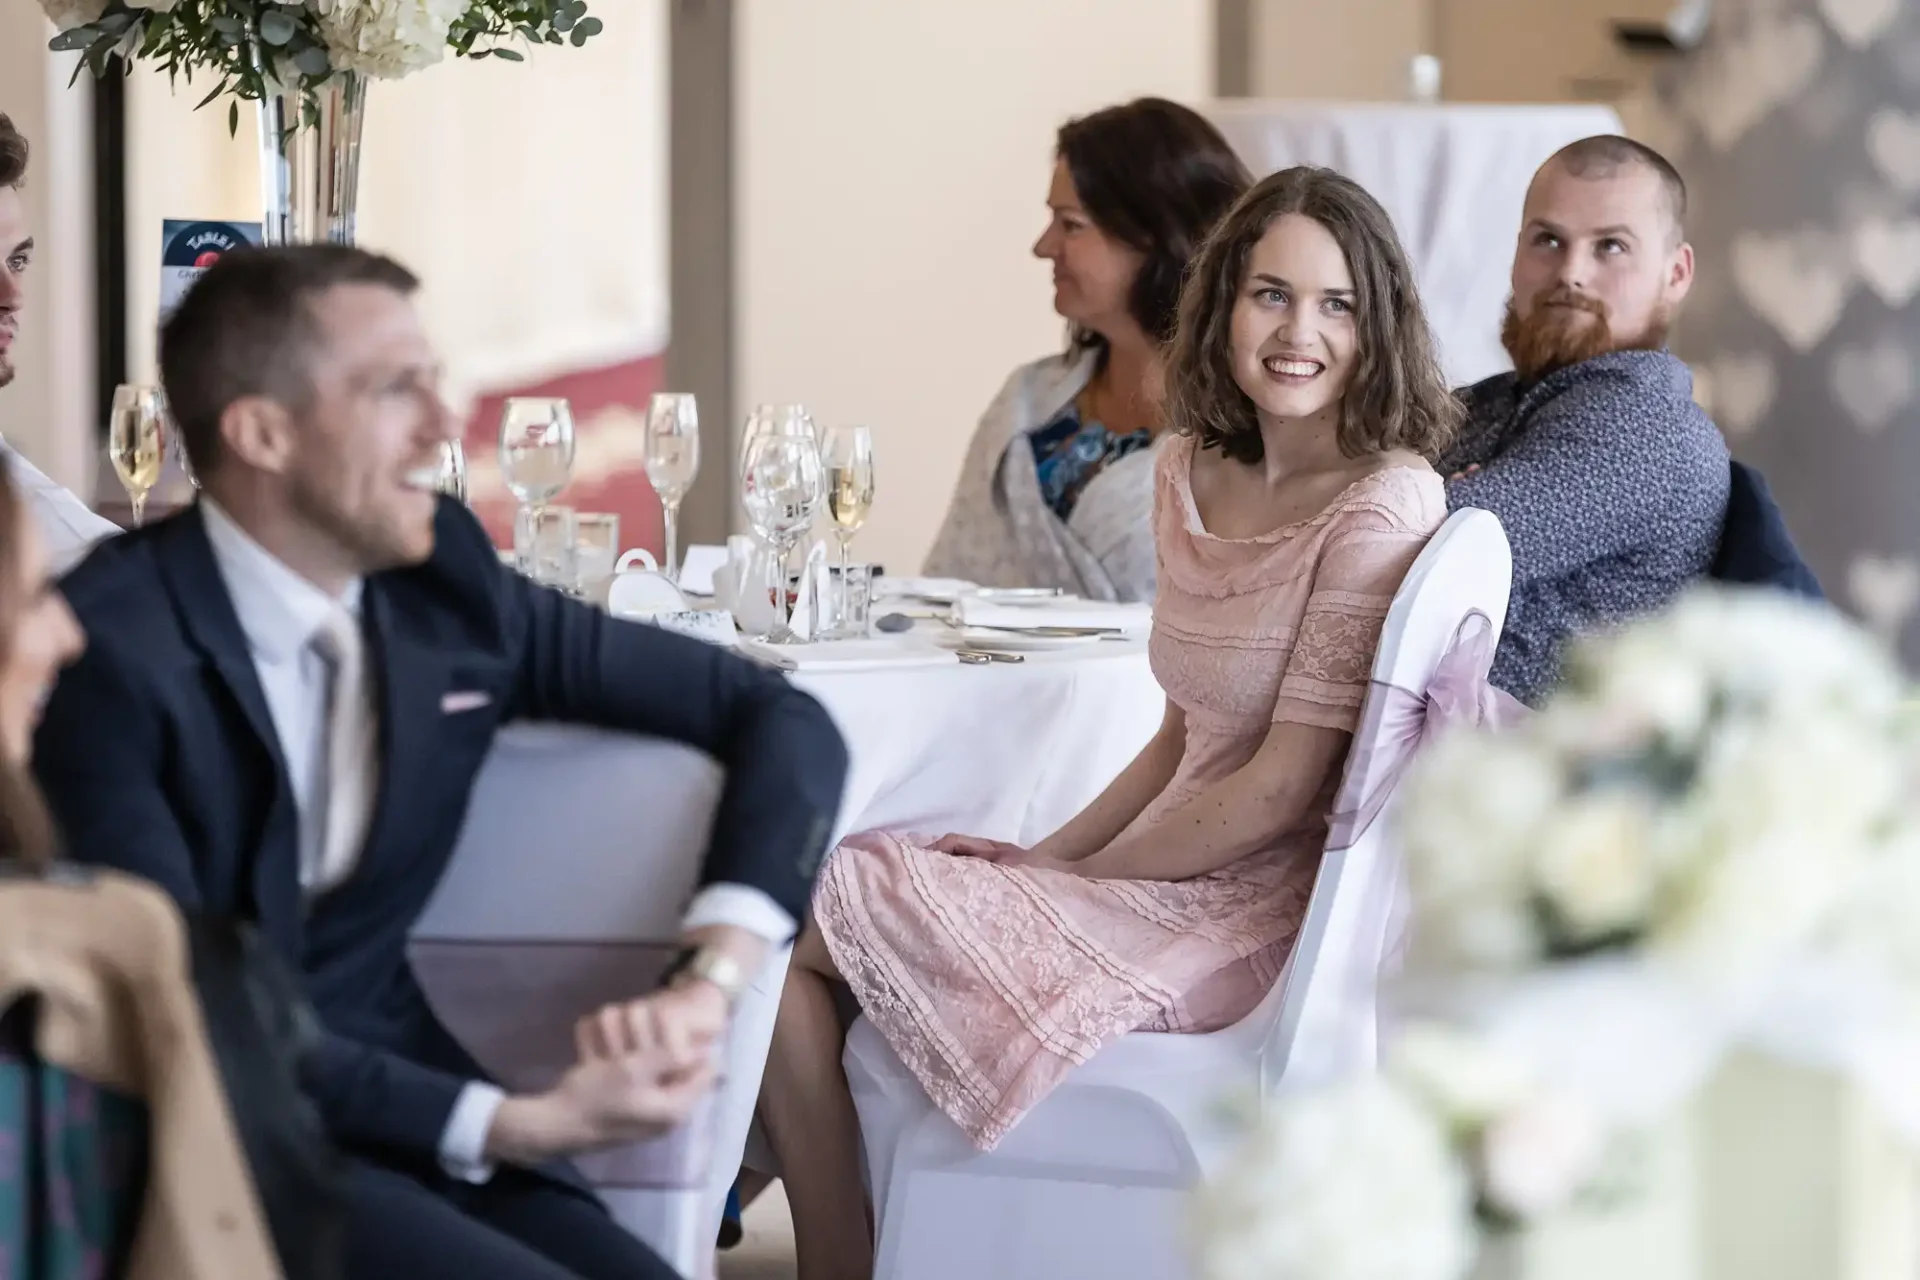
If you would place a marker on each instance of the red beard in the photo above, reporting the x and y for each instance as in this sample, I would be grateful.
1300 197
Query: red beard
1568 327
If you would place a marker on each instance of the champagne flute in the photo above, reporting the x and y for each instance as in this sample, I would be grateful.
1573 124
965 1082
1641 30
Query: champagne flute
781 488
137 442
673 460
849 466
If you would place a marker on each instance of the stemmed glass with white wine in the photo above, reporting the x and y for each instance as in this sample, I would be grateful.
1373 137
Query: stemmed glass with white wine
848 457
673 460
137 442
536 456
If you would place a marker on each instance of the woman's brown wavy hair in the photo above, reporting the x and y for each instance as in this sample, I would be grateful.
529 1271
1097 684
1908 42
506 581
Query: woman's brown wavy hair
1398 397
26 828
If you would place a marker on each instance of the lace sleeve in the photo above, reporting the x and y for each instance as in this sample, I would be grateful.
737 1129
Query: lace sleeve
1327 672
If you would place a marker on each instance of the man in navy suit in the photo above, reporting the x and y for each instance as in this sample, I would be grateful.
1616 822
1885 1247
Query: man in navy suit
287 693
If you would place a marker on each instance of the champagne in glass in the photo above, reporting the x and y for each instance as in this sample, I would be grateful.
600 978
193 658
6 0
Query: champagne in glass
849 467
137 442
673 460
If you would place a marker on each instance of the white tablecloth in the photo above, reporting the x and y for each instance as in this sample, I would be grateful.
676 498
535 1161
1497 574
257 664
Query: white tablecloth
1452 177
581 849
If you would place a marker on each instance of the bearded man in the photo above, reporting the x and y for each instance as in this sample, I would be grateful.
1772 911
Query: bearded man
1611 482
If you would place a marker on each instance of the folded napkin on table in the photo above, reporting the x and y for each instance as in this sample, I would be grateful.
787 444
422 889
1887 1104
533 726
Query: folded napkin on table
1055 611
880 653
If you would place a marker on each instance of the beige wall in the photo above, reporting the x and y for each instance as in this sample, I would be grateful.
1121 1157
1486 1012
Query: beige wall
1491 50
1357 49
1542 50
891 170
47 412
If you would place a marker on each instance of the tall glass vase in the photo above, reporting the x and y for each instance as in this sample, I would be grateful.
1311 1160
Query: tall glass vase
310 168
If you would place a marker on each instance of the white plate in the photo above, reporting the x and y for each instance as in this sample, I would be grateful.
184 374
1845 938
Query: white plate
1009 641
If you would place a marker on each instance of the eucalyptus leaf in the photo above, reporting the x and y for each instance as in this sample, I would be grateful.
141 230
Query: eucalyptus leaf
563 21
313 62
74 38
276 28
588 28
233 119
511 55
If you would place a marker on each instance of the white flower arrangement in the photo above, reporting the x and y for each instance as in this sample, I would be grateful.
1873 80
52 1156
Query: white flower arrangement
255 47
1706 840
1705 789
1395 1176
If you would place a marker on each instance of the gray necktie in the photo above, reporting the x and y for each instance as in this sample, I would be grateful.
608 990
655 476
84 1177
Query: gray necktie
353 767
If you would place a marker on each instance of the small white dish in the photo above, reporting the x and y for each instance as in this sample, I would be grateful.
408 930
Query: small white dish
641 592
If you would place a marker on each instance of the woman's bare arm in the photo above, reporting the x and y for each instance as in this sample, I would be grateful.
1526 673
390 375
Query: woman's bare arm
1234 817
1095 826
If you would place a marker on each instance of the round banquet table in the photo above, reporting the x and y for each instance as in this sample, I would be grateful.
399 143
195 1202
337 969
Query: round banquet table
582 848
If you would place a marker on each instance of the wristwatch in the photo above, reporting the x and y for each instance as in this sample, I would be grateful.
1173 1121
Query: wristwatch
707 964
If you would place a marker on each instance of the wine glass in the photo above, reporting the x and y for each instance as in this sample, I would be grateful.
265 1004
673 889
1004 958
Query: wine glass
536 448
848 458
137 441
452 478
673 460
781 489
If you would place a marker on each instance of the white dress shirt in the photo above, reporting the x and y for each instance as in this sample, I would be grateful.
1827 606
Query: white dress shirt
68 527
281 613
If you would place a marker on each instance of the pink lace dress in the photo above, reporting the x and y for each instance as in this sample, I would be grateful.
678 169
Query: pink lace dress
991 983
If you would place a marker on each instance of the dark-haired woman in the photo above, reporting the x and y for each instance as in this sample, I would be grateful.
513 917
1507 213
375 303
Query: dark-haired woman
1057 487
1306 401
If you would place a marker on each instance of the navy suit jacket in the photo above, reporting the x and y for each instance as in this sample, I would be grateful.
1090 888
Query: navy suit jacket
159 758
1755 547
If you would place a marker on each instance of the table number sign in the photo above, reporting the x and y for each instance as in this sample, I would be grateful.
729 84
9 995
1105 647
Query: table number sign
188 247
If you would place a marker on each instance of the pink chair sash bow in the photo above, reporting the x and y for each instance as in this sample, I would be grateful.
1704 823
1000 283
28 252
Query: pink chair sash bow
1396 722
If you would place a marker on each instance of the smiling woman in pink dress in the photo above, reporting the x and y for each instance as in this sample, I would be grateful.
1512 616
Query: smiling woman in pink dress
1303 380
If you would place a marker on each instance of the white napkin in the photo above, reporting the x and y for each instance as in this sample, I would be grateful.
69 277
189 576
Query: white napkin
810 608
882 653
1058 611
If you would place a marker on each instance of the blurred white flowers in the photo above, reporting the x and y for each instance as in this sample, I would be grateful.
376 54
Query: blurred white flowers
73 13
1385 1177
387 39
1706 840
1705 789
1354 1182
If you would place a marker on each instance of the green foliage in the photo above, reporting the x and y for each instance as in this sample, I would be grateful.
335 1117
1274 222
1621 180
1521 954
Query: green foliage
242 44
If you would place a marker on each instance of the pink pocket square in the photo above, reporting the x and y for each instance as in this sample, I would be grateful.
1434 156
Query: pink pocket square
466 700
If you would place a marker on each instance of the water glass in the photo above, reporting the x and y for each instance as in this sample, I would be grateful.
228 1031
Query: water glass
852 601
781 489
596 548
552 546
536 448
451 478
